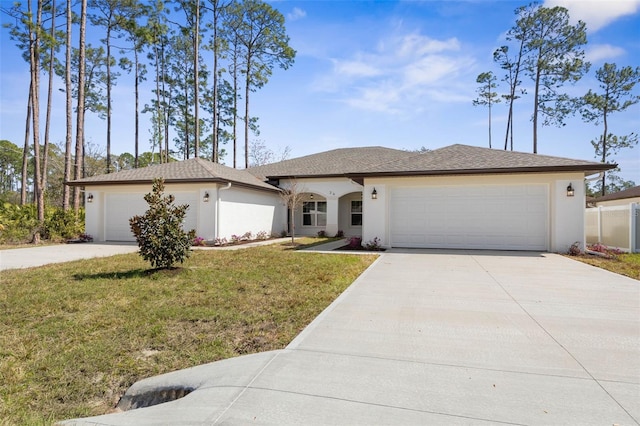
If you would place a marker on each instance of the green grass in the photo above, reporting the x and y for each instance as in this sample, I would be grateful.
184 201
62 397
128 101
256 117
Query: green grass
624 264
75 336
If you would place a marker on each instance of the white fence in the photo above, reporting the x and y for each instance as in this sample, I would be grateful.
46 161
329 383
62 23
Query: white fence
614 226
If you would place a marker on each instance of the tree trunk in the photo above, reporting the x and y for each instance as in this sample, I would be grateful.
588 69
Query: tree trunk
604 148
247 88
137 90
536 103
214 154
80 111
45 154
34 56
25 151
196 97
108 40
69 115
235 104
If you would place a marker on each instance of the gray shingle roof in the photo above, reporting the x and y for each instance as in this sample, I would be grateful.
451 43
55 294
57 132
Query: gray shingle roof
355 163
620 195
187 171
337 162
454 159
472 159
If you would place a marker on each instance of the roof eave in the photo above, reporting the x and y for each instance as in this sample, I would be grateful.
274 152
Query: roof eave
550 169
166 181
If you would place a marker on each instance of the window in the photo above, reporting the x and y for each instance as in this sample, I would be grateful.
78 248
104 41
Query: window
314 213
356 213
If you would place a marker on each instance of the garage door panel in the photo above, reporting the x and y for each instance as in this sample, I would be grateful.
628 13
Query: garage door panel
120 207
484 216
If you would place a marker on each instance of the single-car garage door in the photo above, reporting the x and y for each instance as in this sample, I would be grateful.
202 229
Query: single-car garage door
122 207
503 217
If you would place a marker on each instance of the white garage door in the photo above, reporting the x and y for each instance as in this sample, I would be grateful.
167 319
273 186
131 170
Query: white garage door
504 217
122 207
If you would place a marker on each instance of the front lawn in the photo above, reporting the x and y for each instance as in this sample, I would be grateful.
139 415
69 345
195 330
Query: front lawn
623 264
75 336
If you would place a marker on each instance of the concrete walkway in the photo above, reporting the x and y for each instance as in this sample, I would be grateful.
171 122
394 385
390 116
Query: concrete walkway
432 337
30 257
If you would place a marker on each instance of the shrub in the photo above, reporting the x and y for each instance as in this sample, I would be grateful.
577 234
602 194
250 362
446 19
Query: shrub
262 235
322 234
574 250
198 241
235 239
20 223
220 241
340 234
62 225
159 232
354 242
373 245
247 236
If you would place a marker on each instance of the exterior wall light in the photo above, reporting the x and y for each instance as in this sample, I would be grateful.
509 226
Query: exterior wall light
374 194
206 197
570 191
311 196
90 198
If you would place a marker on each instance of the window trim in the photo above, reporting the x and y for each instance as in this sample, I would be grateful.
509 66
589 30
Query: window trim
352 213
314 213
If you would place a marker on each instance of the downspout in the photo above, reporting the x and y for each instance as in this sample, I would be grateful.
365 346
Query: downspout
218 208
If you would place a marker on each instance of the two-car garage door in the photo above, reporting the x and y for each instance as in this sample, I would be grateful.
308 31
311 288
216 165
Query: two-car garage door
121 207
502 217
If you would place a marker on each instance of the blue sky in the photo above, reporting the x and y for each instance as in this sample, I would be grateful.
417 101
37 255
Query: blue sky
395 74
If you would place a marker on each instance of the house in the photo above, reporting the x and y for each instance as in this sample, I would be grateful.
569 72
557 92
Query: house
620 198
453 197
222 201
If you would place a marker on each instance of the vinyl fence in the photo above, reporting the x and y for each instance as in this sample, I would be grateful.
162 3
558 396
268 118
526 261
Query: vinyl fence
614 226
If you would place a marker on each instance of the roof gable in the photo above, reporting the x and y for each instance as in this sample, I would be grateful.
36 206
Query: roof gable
454 159
337 162
186 171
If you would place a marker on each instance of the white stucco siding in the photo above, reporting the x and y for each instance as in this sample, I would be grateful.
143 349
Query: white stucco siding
533 211
244 210
325 189
107 217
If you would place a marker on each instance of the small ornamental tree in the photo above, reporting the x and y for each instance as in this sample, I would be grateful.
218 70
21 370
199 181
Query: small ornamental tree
159 232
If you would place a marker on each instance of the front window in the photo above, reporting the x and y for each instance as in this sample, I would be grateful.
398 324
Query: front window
356 213
314 213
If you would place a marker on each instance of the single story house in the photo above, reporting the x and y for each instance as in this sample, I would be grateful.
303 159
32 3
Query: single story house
454 197
620 198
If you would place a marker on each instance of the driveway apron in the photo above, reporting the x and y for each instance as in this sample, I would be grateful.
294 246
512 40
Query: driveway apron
436 337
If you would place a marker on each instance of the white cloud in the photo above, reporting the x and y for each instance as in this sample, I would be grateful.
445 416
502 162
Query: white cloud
355 68
398 74
597 13
296 14
602 52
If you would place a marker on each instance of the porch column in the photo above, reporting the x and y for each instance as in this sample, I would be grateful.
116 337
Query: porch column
332 216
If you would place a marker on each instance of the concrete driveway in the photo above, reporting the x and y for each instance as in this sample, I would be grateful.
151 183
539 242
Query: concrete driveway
30 257
433 337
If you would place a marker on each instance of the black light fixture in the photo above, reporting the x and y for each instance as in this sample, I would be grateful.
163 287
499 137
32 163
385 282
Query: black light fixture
374 194
570 191
311 196
206 197
90 198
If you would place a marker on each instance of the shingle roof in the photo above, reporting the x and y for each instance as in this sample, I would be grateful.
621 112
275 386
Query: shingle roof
187 171
454 159
337 162
354 163
471 159
620 195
